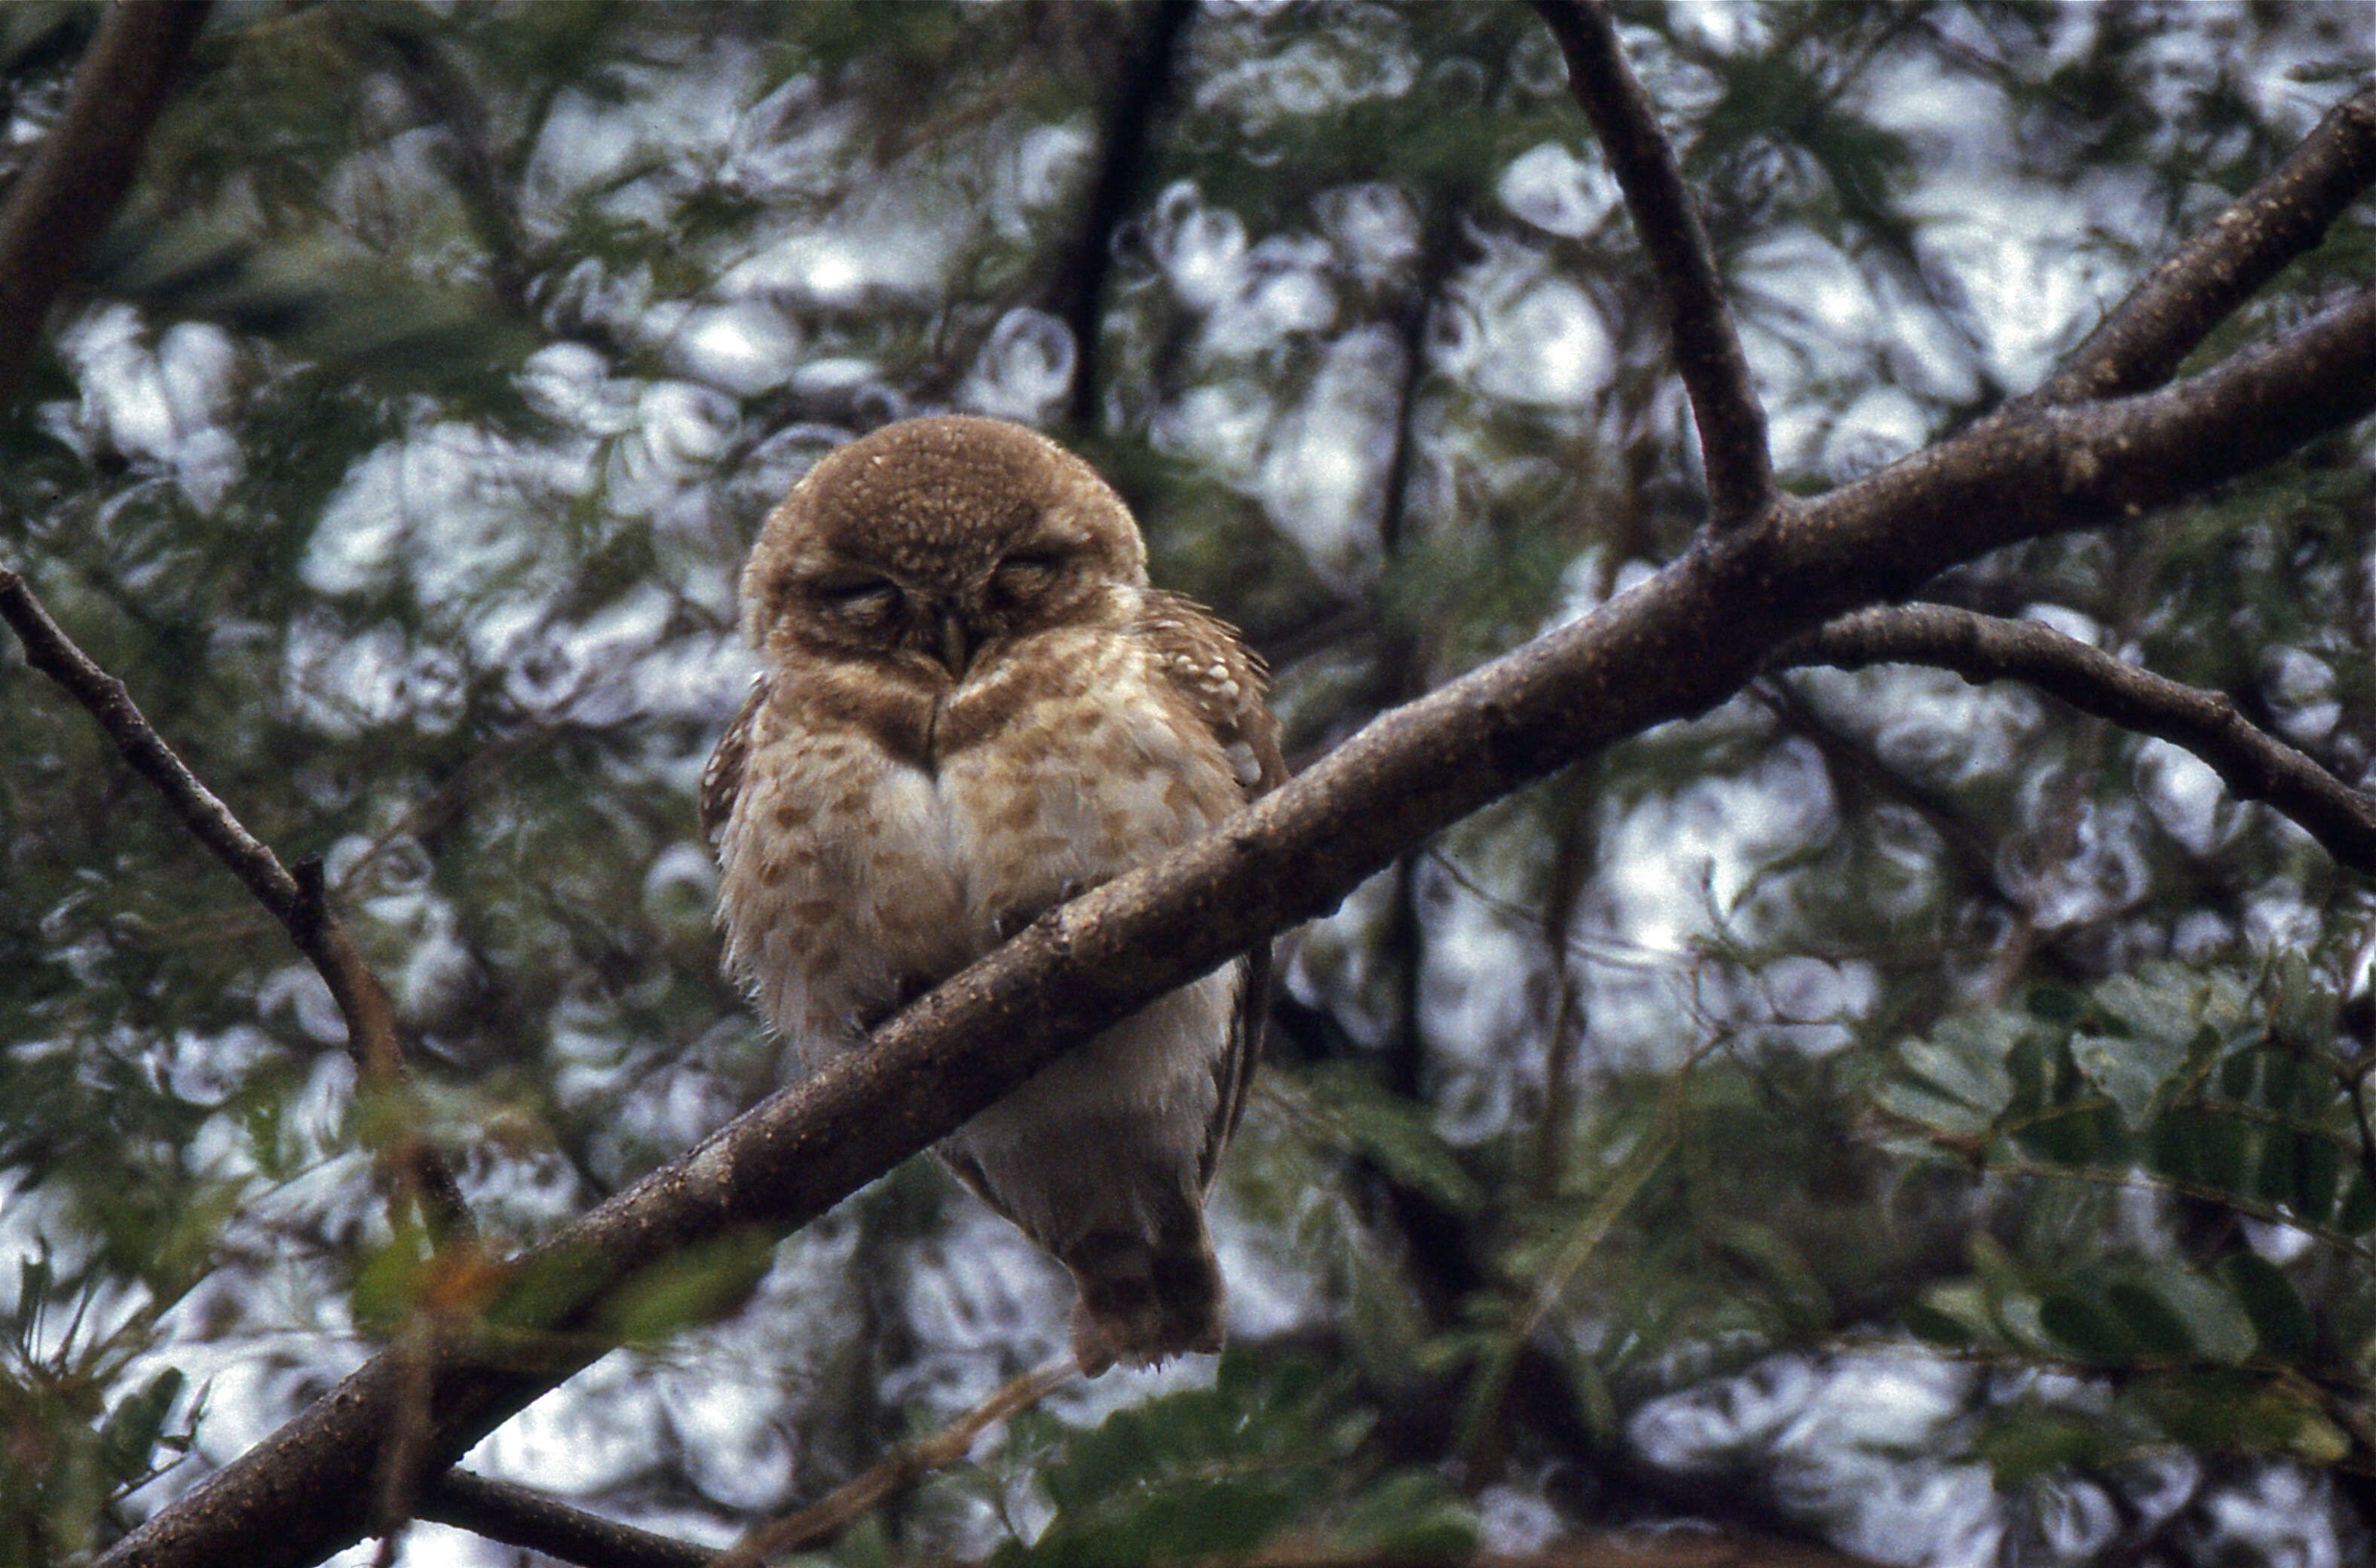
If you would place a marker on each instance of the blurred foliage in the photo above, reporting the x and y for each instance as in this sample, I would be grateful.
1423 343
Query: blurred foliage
2226 1107
1883 1110
1221 1471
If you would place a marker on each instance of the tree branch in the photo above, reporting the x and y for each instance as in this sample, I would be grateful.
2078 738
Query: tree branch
2255 764
1079 296
821 1521
1707 352
518 1515
296 900
59 205
2199 286
1672 648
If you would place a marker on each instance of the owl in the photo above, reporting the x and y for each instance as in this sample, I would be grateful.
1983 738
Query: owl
971 708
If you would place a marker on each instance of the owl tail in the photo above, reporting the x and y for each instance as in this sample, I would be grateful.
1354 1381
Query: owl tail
1145 1298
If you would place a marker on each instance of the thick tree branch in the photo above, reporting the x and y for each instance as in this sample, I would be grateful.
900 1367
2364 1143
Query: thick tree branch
59 205
1670 648
2256 765
294 898
2199 286
2027 470
1707 352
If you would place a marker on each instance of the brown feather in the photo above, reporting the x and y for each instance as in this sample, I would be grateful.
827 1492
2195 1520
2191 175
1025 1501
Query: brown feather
721 779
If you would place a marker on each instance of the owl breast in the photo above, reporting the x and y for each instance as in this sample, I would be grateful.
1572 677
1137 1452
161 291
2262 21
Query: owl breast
859 871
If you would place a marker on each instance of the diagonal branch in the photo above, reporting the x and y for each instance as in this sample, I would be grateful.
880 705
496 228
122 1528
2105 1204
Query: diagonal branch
2201 285
1672 648
295 898
518 1516
2255 764
1707 352
59 205
815 1526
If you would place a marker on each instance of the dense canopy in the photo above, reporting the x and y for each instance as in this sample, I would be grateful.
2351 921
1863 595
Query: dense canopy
1869 1078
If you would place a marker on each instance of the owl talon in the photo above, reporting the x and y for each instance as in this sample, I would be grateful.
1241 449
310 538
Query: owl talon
1091 1353
1008 923
904 990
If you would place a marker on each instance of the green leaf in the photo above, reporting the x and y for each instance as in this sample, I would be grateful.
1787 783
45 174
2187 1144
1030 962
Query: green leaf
1202 1473
2318 1174
2173 1147
2234 1413
388 1285
2056 1004
2281 1321
2080 1135
2274 1178
2222 1152
2147 1319
1919 1101
2160 1006
2215 1322
2356 1214
133 1428
2085 1329
1596 1400
2288 1089
1412 1516
2031 1062
695 1285
1357 1113
1962 1065
1933 1326
1793 1284
2026 1441
2139 1074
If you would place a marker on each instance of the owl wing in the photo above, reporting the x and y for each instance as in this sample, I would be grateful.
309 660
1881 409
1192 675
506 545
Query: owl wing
1222 682
722 780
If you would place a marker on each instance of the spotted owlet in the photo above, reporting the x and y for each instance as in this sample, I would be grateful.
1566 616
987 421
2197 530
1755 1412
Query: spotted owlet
972 706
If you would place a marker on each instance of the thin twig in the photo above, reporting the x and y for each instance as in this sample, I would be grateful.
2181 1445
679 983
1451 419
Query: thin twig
518 1516
57 208
1707 352
294 898
861 1494
2253 764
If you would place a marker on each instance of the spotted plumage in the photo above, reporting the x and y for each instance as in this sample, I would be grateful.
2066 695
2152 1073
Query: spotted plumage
971 708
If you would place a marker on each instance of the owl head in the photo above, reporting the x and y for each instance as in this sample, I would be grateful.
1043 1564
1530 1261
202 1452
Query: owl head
931 540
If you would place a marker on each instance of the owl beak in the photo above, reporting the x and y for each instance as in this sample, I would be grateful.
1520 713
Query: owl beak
955 651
